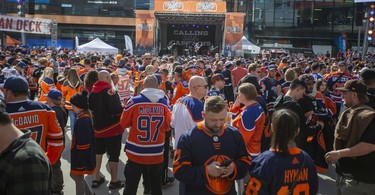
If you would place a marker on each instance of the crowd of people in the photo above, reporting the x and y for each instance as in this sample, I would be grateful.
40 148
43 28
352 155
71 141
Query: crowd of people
267 123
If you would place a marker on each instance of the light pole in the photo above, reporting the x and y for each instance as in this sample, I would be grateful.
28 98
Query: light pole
21 13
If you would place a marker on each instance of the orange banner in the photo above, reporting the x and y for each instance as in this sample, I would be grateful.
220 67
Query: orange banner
234 23
191 6
233 30
145 24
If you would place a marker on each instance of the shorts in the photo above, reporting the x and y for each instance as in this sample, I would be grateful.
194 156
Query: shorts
109 145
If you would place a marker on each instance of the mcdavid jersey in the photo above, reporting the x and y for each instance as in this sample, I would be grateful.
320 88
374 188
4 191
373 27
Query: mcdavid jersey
41 120
268 179
148 122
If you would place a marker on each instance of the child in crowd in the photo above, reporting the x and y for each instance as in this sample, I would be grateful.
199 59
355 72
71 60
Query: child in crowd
82 149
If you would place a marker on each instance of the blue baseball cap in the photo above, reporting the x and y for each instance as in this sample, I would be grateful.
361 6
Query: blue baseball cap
54 94
272 67
16 84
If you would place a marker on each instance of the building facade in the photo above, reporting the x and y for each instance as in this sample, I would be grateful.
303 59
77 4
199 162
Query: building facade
288 23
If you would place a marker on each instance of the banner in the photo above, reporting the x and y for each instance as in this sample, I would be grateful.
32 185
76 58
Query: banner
233 32
189 34
340 42
128 44
26 25
144 38
190 6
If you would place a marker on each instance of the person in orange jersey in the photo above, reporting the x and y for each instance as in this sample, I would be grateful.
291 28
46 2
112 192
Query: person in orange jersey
34 116
70 87
181 87
46 83
82 150
250 119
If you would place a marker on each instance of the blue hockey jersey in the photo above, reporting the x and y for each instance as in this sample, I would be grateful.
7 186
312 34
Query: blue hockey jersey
268 179
197 149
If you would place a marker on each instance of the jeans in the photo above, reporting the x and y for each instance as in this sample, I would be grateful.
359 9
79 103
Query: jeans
73 119
57 177
349 186
133 173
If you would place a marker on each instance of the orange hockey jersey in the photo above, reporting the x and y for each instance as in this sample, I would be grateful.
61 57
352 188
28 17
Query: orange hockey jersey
148 122
41 120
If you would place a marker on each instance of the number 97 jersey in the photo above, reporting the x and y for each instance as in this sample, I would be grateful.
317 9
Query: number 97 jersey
268 179
148 122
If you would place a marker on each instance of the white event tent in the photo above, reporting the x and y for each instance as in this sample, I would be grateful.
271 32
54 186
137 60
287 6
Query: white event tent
97 46
244 46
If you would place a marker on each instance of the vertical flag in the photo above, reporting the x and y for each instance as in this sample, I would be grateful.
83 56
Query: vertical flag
77 42
128 44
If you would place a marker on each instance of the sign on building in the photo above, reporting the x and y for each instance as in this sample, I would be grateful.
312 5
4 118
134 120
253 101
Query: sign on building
26 25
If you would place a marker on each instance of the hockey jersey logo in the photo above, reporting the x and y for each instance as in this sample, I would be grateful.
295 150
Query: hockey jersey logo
218 185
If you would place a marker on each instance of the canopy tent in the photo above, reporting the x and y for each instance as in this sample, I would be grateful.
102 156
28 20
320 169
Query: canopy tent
244 46
12 41
97 46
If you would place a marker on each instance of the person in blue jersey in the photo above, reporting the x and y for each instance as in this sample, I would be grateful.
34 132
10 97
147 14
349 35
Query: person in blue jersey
187 111
211 156
295 172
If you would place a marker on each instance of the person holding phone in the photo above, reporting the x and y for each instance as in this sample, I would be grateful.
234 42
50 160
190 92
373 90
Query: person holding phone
212 155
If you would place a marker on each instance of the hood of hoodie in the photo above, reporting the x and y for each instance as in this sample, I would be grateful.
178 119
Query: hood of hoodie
99 86
154 95
121 71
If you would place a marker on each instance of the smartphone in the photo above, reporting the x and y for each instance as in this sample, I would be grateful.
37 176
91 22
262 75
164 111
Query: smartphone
226 163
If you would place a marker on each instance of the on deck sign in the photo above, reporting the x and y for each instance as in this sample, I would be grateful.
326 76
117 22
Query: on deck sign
26 25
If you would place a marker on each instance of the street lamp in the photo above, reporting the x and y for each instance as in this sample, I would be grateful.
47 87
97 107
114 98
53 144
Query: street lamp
21 13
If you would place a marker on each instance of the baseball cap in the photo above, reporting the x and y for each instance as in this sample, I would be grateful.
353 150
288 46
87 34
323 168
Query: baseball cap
355 86
342 63
272 67
16 84
54 94
306 78
228 64
217 77
251 79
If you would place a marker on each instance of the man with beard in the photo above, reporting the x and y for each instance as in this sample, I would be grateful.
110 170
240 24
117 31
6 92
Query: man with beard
212 155
354 145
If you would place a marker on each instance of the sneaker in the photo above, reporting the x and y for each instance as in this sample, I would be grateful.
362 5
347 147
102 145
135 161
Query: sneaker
168 181
146 192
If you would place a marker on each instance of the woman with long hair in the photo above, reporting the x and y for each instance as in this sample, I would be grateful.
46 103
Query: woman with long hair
71 86
90 79
46 83
284 169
